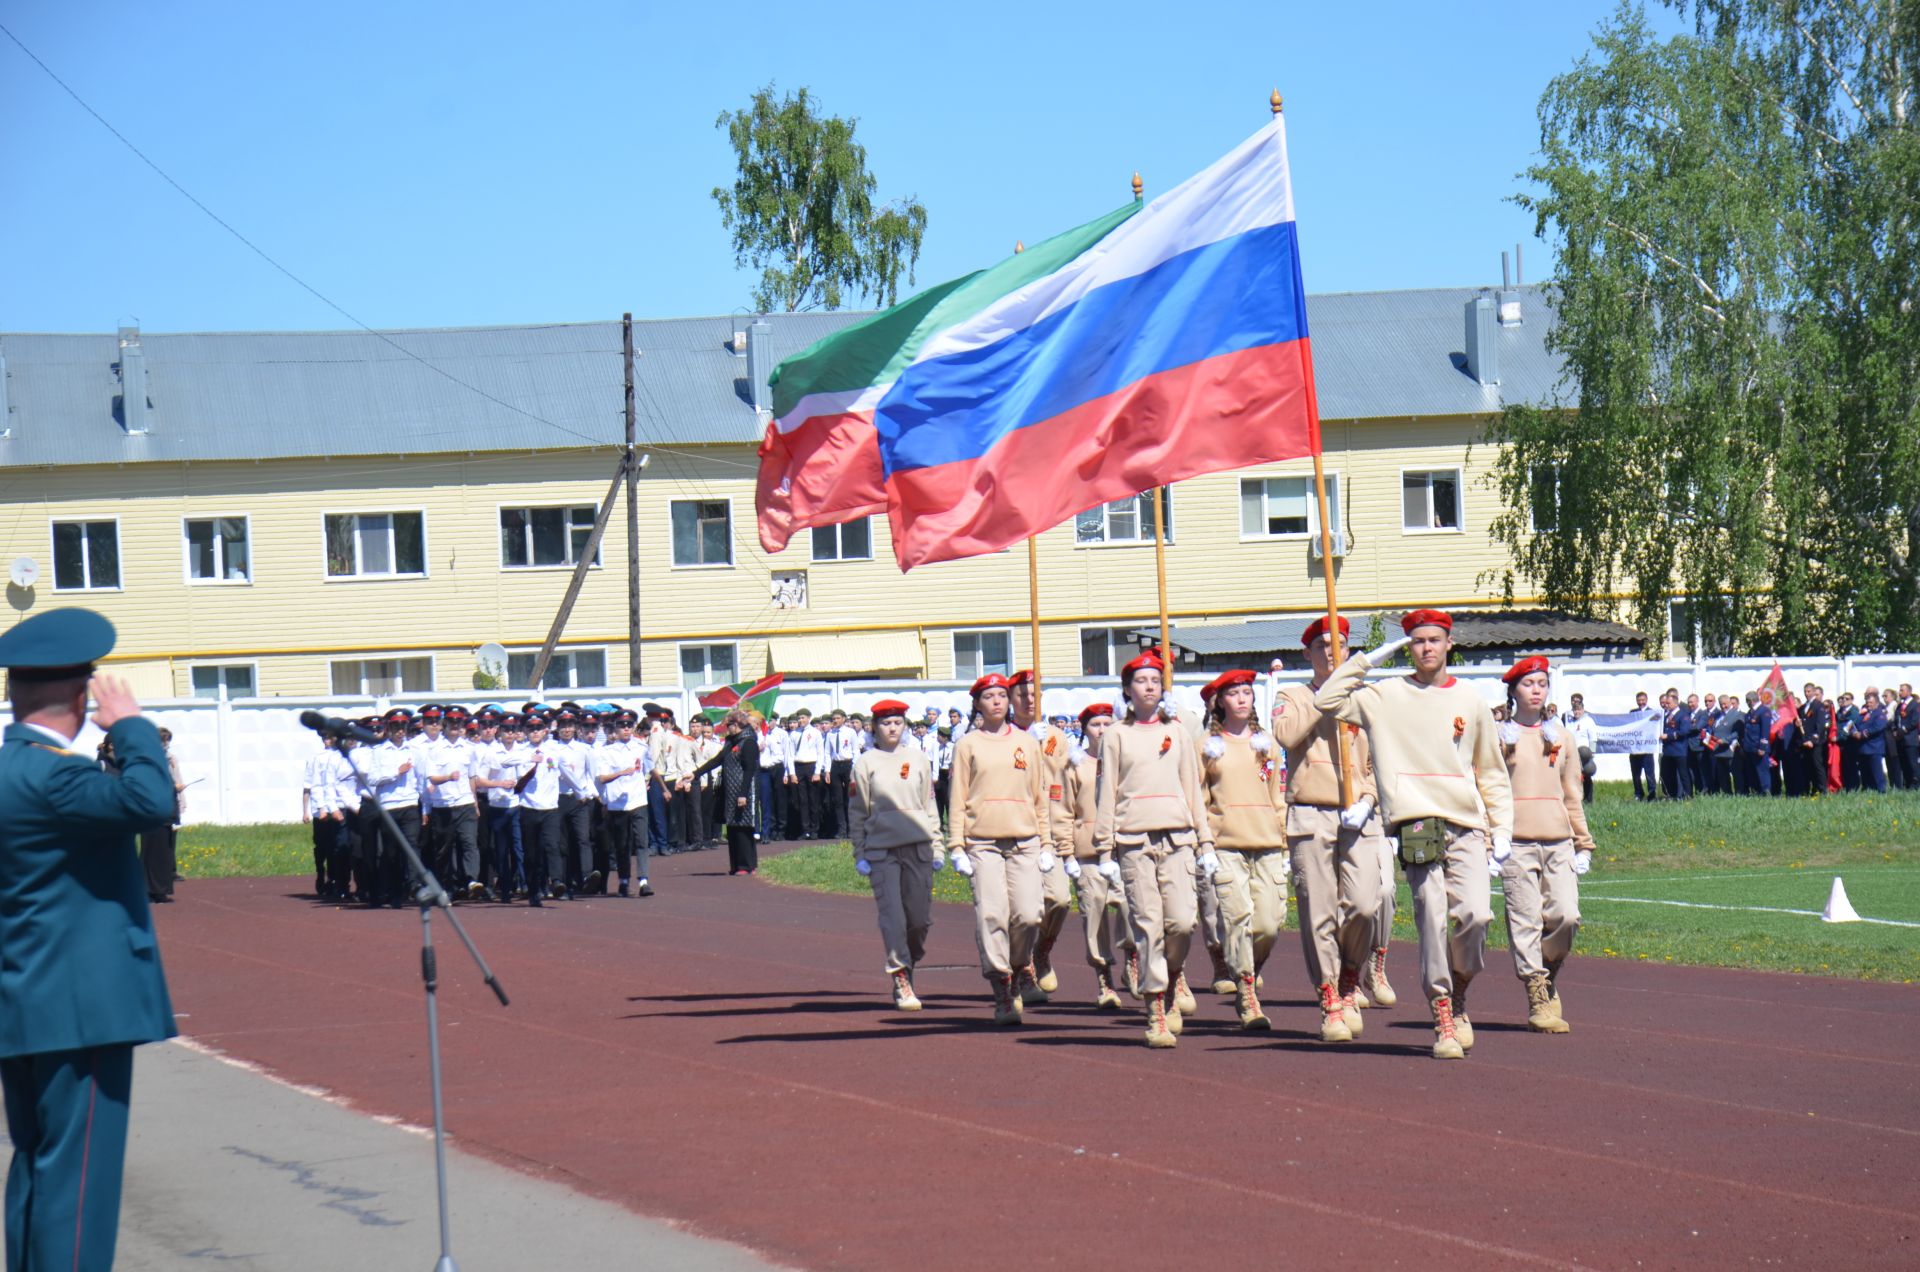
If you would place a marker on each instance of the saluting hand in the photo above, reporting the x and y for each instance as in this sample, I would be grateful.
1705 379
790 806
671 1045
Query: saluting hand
113 701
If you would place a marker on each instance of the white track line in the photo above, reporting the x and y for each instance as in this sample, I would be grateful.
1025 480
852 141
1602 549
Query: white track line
1813 872
1744 909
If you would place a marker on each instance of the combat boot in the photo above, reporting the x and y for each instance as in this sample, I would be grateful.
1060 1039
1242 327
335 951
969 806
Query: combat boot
1377 987
1043 966
1251 1017
1553 988
1446 1044
903 996
1540 1014
1106 999
1333 1018
1462 1027
1028 985
1133 971
1160 1034
1006 1003
1183 998
1349 1003
1224 983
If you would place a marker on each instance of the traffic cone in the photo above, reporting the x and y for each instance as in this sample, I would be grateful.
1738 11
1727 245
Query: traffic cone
1839 909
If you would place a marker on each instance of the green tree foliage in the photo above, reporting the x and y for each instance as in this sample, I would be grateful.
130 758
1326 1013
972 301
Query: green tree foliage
1734 213
802 209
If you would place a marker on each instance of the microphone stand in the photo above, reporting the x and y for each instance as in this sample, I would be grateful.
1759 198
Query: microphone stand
428 894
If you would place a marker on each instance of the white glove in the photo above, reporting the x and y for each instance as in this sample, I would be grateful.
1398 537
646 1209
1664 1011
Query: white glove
1209 864
1388 650
939 861
1073 869
1551 732
1110 871
1582 861
1047 860
1502 850
864 866
1356 816
1509 734
961 864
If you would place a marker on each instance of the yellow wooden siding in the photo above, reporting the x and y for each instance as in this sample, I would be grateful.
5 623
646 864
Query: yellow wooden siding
291 620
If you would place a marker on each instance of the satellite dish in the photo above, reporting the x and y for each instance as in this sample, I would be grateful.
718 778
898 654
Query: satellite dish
492 658
24 572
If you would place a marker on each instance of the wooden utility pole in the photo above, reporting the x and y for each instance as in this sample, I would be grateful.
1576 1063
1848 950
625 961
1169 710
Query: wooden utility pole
580 567
630 465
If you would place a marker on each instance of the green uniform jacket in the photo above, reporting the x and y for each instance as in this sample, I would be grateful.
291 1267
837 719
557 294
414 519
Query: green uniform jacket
78 963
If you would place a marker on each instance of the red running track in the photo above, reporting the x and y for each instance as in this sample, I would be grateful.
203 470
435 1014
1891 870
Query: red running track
725 1055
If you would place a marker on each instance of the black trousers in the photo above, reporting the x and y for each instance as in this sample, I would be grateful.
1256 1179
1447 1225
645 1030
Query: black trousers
1873 773
1642 766
540 846
773 803
840 783
391 869
1722 772
1850 766
1700 764
1676 776
680 819
742 852
454 837
627 843
808 794
1910 760
366 852
943 786
158 856
575 862
332 855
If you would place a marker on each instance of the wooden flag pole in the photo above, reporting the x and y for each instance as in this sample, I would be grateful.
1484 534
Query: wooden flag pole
1159 506
1033 584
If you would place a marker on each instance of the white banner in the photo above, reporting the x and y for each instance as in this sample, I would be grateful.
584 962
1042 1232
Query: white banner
1626 733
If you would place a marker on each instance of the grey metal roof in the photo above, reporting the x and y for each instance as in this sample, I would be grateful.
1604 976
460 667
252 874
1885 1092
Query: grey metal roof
1472 629
268 395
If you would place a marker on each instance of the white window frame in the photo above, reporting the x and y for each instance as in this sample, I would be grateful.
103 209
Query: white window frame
1112 648
1313 507
186 553
567 651
1459 495
837 527
53 558
426 546
432 661
1139 541
499 508
953 648
252 667
679 669
732 556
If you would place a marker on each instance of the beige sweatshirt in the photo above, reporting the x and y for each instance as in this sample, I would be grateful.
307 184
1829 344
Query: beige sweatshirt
1436 749
891 804
1073 813
998 789
1313 756
1149 782
1546 790
1246 800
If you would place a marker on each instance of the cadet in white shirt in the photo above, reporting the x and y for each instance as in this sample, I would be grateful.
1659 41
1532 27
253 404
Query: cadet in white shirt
578 794
622 766
775 749
809 782
389 769
322 806
446 766
539 792
498 770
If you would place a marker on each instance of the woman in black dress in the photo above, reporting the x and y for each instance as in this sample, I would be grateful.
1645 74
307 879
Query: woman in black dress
739 764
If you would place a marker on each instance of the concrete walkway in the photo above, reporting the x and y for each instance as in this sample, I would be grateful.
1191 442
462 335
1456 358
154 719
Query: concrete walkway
229 1168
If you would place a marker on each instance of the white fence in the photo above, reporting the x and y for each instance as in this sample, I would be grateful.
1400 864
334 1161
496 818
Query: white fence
244 758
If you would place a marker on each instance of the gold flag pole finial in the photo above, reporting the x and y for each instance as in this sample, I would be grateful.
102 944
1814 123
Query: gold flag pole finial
1139 188
1018 247
1274 101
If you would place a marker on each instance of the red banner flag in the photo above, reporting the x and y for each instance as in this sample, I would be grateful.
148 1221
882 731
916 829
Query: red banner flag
1775 694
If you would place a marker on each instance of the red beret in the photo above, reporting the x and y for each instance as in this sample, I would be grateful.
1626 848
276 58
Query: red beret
1096 709
1524 668
1020 678
1225 681
887 707
992 680
1426 618
1150 660
1318 628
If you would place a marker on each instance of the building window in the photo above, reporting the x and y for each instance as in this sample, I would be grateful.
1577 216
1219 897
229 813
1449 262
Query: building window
86 555
236 679
1285 507
534 537
1543 497
567 669
383 677
848 541
217 551
702 532
702 665
1430 500
1128 520
976 654
376 544
1105 650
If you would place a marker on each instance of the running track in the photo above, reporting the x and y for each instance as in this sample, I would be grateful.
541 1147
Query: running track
724 1055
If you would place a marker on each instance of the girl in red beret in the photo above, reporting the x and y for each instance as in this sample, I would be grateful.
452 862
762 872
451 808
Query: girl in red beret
1246 809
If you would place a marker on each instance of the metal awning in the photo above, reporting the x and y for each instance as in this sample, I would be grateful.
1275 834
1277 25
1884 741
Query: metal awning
842 657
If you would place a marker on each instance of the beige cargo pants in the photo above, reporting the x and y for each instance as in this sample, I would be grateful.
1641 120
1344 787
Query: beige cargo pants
1006 902
902 882
1104 909
1252 887
1162 904
1452 894
1336 883
1543 903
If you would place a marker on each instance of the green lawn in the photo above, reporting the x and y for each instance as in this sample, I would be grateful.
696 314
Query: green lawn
1780 854
225 852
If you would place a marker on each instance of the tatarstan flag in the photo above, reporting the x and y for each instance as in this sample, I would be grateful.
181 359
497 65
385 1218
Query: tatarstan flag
754 695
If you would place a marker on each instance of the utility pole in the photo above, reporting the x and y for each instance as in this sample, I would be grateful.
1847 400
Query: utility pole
633 514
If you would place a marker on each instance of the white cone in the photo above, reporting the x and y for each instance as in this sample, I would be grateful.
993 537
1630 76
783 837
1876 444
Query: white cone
1839 909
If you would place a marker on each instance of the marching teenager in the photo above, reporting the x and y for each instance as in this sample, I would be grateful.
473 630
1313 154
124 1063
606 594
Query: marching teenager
1056 896
1096 879
1245 803
1337 848
1152 817
893 822
1444 794
622 765
538 789
999 837
1551 843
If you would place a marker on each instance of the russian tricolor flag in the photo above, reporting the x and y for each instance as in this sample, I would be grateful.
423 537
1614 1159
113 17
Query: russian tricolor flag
1168 344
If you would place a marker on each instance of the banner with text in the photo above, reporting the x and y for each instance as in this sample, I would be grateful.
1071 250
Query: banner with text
1627 732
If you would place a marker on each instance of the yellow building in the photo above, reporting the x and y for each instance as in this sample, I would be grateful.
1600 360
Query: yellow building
293 514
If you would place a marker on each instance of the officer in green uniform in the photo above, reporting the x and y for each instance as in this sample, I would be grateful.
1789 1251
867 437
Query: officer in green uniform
80 978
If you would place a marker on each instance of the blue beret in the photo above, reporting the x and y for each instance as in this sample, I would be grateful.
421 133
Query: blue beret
57 640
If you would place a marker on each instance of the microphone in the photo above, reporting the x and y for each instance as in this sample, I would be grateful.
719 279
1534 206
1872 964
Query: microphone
339 728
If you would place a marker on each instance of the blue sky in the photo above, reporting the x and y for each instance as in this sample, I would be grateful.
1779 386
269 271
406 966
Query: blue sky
436 165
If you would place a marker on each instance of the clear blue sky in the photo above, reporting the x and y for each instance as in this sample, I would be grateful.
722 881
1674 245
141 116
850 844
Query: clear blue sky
429 165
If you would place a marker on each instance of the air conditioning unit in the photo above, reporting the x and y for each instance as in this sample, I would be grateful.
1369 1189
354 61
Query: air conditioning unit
1339 545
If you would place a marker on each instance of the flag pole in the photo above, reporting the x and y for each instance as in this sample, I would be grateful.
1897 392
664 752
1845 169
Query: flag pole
1033 584
1159 505
1334 650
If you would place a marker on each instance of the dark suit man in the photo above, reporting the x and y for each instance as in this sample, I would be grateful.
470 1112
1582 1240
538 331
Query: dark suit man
80 976
1699 754
1811 754
1903 741
1727 722
1873 743
1640 763
1677 732
1756 751
1846 722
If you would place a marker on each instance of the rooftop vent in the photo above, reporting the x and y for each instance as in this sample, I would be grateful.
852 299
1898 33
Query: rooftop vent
133 383
1510 315
1483 341
759 340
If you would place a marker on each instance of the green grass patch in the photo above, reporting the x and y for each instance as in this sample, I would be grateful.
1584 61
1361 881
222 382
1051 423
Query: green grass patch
225 852
828 867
